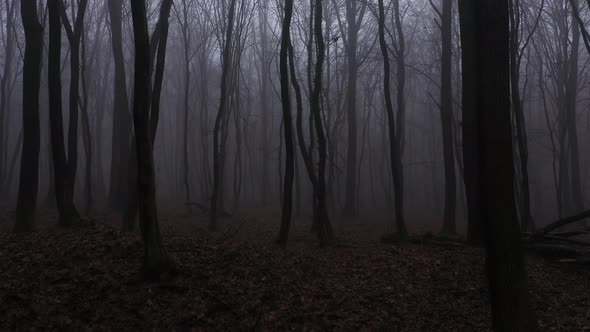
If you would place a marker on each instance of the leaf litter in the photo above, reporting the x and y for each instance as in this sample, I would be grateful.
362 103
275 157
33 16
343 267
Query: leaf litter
87 278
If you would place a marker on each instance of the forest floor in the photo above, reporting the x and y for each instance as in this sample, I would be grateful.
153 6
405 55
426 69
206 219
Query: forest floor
87 277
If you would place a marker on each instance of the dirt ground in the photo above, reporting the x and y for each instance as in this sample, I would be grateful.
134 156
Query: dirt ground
237 279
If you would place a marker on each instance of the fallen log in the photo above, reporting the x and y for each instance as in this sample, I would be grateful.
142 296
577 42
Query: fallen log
566 240
560 250
562 222
572 233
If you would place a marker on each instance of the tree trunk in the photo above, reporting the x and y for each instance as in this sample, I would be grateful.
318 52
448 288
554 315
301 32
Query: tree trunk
121 117
350 201
264 99
156 260
517 105
572 93
324 230
5 94
288 126
511 310
74 34
187 79
470 139
65 206
29 169
217 153
446 113
394 147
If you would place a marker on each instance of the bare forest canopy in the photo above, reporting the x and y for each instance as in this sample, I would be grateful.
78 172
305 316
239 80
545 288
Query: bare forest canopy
464 118
552 67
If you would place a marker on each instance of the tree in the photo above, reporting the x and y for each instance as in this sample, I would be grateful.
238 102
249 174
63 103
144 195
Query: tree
288 125
355 12
576 204
217 155
470 120
488 43
121 116
394 146
29 169
157 55
265 70
5 91
447 118
74 34
322 221
518 44
186 43
65 203
156 259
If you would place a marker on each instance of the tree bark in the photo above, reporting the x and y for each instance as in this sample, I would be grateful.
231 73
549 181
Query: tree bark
351 199
156 260
511 309
5 93
517 105
74 34
29 169
118 191
470 139
324 227
571 95
446 113
288 125
217 155
394 146
65 205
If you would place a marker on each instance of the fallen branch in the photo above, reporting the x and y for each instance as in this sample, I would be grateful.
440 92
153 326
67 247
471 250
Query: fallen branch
567 240
572 233
562 222
559 250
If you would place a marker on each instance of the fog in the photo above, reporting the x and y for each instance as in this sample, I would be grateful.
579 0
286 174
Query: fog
252 129
211 99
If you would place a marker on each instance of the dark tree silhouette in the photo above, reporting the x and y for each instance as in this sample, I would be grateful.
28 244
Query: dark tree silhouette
288 125
489 44
156 259
5 94
29 169
322 222
157 55
121 116
355 11
469 127
446 113
217 163
65 204
394 146
74 34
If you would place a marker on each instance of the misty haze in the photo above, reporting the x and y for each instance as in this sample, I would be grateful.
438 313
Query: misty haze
308 165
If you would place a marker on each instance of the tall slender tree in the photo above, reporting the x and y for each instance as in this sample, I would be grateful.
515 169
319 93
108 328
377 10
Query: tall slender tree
5 91
322 221
74 34
470 119
355 12
394 141
217 156
121 116
511 310
65 204
446 114
156 259
29 169
287 124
